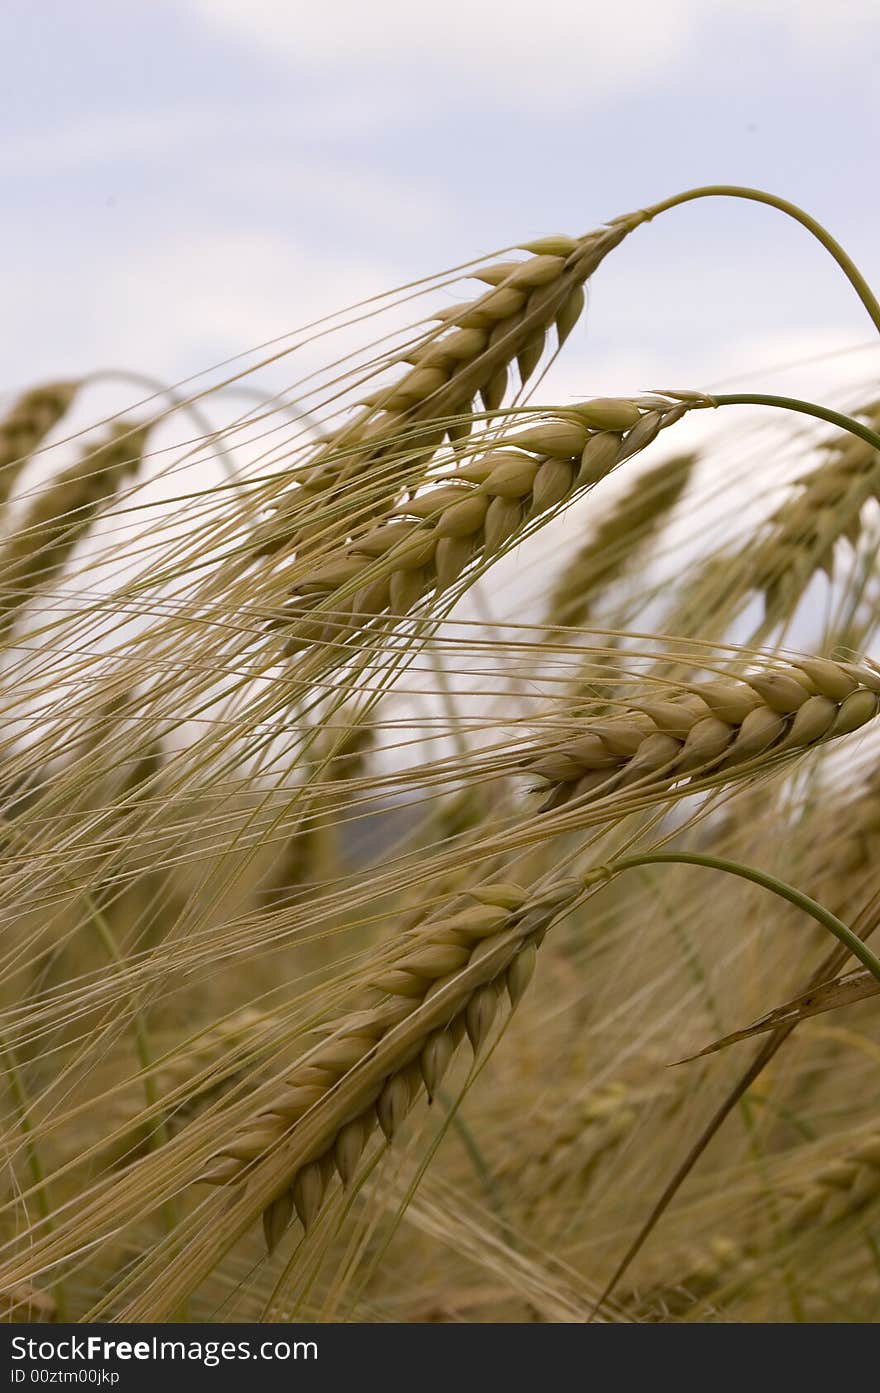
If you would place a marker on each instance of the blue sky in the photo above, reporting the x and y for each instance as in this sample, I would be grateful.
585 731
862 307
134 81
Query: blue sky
185 178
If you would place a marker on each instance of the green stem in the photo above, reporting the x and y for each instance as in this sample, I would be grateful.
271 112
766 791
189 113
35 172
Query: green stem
35 1166
823 916
831 245
807 408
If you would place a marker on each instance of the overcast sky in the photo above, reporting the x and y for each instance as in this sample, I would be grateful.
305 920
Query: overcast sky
182 179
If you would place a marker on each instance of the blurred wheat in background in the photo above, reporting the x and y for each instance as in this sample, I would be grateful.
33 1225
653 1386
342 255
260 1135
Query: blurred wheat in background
401 773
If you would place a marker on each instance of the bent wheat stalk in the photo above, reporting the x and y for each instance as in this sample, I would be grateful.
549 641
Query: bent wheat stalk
482 339
782 205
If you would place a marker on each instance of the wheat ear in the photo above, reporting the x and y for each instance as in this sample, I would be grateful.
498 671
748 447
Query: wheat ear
618 539
340 758
60 515
572 1140
805 530
445 983
192 1076
469 514
837 1190
23 430
711 728
470 354
703 1272
857 847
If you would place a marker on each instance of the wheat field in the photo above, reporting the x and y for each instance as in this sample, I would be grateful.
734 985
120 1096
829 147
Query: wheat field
440 830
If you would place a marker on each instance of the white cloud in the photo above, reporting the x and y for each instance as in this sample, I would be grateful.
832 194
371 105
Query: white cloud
175 306
818 26
106 139
566 55
102 140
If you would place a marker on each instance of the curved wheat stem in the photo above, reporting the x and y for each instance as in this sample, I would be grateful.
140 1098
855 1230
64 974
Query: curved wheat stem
831 245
